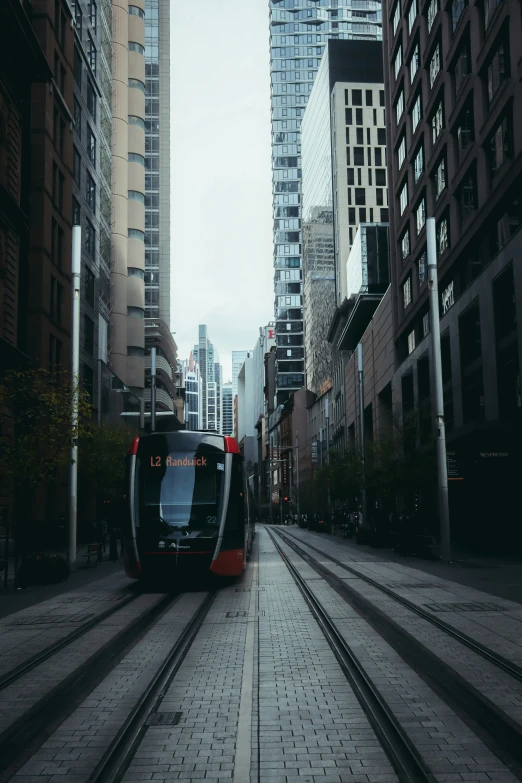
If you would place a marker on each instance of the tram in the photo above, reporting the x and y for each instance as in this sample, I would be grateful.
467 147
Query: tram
188 506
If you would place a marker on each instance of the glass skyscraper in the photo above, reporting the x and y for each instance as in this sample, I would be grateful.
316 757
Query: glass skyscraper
299 30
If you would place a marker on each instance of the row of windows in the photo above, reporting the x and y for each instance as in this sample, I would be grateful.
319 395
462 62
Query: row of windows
360 197
366 216
357 97
358 159
359 136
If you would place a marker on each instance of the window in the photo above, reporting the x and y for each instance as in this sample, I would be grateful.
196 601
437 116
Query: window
91 147
381 137
411 342
443 236
435 65
77 167
360 136
135 11
91 54
422 267
77 118
136 47
351 216
362 215
418 164
92 14
385 215
437 122
399 107
498 71
348 116
91 100
88 335
358 156
380 177
76 213
396 16
135 233
416 113
133 120
381 97
134 157
462 67
420 215
90 192
379 197
440 178
403 198
406 292
457 9
369 98
412 15
405 244
78 19
358 117
77 67
397 61
500 145
357 98
135 195
350 176
432 13
360 199
414 63
90 239
378 156
465 130
89 287
468 195
490 6
401 152
137 85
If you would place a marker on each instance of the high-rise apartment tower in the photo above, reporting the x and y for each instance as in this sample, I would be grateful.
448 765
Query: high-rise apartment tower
298 34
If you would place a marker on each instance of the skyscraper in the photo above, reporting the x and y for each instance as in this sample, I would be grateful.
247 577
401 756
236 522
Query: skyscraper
297 39
238 357
192 379
157 160
211 382
228 409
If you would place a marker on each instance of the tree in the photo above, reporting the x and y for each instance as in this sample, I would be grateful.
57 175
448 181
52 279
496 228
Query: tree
102 451
36 432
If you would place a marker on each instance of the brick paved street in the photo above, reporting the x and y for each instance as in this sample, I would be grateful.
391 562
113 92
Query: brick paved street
260 695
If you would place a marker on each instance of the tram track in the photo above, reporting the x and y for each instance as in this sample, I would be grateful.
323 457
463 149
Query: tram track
33 727
115 761
400 750
499 732
498 660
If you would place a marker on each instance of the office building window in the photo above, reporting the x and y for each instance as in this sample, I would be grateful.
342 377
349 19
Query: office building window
411 342
422 267
91 147
501 144
432 13
77 167
369 97
90 192
379 197
418 164
351 216
358 117
396 16
358 156
348 116
88 335
468 195
435 65
357 98
91 54
360 199
397 62
378 156
380 177
437 122
351 176
462 67
405 244
406 292
465 130
76 213
399 107
416 113
91 100
414 63
498 70
412 14
440 178
457 9
490 6
420 215
443 235
90 239
403 198
77 118
381 137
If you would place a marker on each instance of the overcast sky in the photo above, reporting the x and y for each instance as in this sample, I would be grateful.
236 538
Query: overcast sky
221 227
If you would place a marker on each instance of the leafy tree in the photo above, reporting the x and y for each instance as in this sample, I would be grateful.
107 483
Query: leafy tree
36 431
102 451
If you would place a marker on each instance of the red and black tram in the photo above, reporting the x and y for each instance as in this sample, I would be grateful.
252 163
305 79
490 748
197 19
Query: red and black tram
188 506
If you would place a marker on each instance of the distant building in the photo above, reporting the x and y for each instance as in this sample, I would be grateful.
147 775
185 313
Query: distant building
228 409
193 393
211 382
238 357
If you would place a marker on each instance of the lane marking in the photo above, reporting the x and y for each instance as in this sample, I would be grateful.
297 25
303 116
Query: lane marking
243 757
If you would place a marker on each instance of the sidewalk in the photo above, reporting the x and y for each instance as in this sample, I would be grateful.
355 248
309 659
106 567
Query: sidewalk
12 600
498 575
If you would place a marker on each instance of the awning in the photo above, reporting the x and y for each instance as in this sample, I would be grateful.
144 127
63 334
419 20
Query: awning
358 320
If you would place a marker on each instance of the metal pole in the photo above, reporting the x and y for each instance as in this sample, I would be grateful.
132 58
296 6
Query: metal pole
290 476
327 421
153 389
270 481
361 425
75 375
440 430
297 477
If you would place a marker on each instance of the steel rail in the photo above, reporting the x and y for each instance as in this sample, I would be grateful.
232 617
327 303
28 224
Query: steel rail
400 750
116 759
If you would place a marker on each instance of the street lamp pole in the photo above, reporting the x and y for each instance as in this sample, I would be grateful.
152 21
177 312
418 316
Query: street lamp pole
440 429
75 399
153 389
361 425
297 476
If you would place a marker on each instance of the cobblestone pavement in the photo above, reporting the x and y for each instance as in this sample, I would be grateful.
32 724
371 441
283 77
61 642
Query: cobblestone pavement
260 695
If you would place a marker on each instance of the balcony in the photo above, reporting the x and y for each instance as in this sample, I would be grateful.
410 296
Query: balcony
163 400
161 365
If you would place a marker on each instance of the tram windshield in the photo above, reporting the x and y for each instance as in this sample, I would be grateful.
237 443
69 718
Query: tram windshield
181 489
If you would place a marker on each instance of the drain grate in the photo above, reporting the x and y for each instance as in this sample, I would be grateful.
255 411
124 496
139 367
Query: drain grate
475 607
53 619
236 614
164 719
